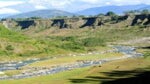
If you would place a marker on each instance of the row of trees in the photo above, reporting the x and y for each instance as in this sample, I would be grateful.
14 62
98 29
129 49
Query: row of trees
110 13
132 12
135 12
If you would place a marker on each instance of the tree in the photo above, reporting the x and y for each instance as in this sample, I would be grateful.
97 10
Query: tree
35 17
132 12
110 13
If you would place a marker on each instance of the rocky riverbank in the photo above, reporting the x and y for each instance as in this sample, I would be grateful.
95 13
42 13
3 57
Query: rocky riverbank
15 65
129 52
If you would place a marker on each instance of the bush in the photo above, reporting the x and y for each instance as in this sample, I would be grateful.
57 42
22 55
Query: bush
70 38
110 13
3 52
29 53
72 46
9 47
147 54
11 35
92 42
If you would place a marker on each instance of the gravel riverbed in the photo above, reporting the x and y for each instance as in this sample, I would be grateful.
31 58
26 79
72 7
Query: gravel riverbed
129 52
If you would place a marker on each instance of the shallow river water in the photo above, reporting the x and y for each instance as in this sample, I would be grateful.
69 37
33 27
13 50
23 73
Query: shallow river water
126 50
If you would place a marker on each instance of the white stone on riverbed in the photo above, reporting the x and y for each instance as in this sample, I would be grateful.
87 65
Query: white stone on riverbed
2 73
39 71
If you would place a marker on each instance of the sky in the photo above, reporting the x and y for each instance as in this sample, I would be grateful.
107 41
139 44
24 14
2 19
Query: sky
67 5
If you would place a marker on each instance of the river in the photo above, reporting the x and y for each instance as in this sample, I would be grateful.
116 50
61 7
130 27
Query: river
129 52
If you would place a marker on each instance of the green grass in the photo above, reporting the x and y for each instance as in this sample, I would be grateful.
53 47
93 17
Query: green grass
63 60
71 59
11 35
82 76
63 41
17 46
11 72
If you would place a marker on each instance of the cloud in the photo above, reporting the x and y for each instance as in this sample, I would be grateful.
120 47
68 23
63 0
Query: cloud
8 11
52 3
40 7
71 5
91 1
9 3
126 2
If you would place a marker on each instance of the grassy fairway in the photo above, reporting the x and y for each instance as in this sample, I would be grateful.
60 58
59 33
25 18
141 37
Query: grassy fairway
92 75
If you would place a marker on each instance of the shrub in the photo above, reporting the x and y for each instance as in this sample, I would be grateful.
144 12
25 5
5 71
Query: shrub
69 38
3 52
29 53
0 46
92 42
72 46
110 13
147 54
9 47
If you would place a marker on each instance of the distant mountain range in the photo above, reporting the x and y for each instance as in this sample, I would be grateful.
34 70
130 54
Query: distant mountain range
43 14
116 9
32 11
4 15
146 7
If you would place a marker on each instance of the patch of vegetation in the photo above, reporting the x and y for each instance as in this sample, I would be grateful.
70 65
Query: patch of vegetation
72 46
2 52
29 54
71 59
9 47
63 41
11 35
147 54
92 42
91 75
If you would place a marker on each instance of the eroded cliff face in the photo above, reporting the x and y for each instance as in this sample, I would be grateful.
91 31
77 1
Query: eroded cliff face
25 24
92 22
72 23
43 23
141 20
9 23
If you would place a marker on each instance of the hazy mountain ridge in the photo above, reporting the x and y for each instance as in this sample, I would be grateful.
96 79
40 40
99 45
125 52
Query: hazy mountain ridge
43 14
32 11
116 9
78 22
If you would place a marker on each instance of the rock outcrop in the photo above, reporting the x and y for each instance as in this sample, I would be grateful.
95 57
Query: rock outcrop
141 20
72 23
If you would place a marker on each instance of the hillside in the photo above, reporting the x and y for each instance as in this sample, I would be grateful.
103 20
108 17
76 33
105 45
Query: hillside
42 14
74 41
68 46
48 37
76 23
116 9
41 46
